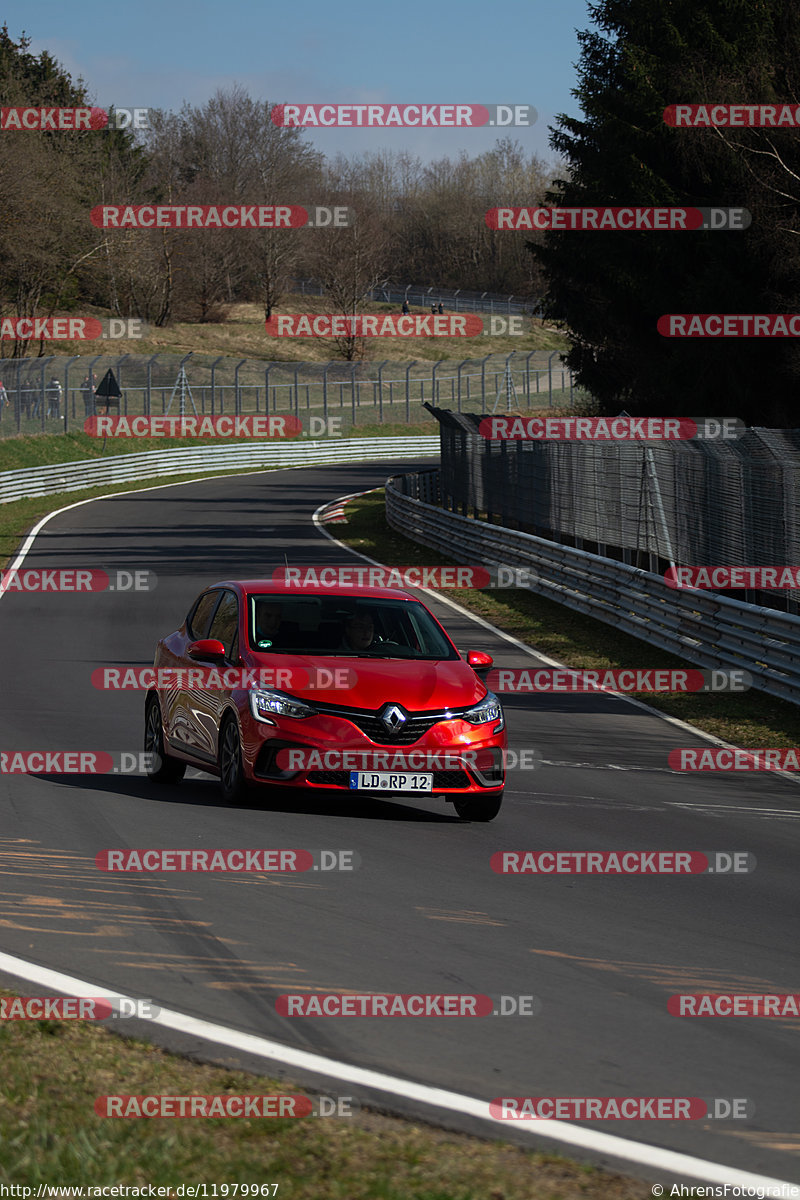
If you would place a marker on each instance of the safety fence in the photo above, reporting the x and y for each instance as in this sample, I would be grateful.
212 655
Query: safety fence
154 464
57 394
692 502
712 631
451 299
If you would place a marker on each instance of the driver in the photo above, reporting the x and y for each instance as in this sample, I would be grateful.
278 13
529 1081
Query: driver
359 632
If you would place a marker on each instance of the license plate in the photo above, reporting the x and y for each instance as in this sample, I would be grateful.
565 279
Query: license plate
390 781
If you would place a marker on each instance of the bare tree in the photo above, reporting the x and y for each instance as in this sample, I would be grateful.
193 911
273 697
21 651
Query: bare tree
350 262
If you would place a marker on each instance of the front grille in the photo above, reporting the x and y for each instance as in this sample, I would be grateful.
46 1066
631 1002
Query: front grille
329 778
451 779
370 724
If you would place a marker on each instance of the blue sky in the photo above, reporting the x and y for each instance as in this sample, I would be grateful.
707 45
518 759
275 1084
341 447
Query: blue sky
414 51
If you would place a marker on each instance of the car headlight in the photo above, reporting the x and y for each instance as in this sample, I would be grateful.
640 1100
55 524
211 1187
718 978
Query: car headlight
264 703
487 711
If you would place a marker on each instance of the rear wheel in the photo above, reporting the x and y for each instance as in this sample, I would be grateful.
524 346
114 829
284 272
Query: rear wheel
161 768
231 772
478 808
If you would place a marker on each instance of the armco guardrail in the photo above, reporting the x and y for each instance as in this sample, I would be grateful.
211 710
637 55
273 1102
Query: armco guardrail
122 468
712 631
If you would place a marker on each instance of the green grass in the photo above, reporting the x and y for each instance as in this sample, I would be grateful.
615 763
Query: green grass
748 719
49 1133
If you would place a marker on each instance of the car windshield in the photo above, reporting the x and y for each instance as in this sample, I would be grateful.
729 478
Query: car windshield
345 626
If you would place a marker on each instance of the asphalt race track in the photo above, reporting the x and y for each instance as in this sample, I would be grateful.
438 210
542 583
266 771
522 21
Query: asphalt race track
424 912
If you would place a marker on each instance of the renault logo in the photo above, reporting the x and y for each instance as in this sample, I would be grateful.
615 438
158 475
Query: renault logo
393 718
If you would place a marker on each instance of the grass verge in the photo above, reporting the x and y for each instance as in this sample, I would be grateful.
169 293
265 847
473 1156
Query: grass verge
54 1070
750 719
240 333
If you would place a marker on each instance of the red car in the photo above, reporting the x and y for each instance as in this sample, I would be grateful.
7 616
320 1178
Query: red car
359 691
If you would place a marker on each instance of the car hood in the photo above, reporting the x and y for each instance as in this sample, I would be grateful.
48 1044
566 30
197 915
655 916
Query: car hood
417 685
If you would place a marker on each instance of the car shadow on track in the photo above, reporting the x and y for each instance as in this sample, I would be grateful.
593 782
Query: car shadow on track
204 793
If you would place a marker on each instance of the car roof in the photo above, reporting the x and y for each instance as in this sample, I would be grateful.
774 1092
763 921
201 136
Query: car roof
264 586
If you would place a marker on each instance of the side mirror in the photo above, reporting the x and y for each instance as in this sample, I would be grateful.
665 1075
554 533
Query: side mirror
479 661
206 648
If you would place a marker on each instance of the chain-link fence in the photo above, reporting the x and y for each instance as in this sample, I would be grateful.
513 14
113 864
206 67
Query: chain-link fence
451 299
649 504
57 394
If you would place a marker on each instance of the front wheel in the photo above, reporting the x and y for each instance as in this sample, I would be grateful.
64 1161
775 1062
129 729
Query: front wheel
231 772
161 768
478 808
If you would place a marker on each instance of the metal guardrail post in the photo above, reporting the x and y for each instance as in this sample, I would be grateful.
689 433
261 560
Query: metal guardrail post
353 391
124 397
380 390
92 405
43 387
18 396
483 382
214 384
325 370
148 395
408 385
267 370
66 392
436 366
461 366
528 377
237 388
181 366
653 479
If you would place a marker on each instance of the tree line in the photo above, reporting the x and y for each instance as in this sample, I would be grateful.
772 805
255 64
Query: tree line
424 222
414 221
611 288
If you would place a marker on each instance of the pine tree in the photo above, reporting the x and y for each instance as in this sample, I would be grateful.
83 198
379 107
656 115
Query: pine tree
610 288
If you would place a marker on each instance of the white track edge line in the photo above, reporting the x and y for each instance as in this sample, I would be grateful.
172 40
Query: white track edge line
653 1157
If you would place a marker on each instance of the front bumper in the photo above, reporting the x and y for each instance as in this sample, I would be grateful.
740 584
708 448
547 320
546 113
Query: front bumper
464 759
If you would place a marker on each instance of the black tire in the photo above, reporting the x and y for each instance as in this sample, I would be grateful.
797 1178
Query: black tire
231 772
163 769
478 808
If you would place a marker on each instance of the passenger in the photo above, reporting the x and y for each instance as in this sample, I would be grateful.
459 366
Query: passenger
268 619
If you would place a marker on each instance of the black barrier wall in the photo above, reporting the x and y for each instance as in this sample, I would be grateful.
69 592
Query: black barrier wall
651 504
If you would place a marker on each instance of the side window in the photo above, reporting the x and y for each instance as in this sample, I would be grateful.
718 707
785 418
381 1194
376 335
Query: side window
200 616
225 626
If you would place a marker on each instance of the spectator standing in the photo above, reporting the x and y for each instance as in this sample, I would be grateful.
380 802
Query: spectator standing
36 399
87 390
54 398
